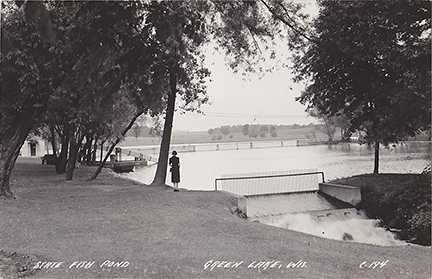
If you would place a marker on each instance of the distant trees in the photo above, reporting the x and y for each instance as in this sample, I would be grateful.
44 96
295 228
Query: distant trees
136 130
213 134
263 131
251 131
370 62
254 133
245 130
331 124
225 130
273 132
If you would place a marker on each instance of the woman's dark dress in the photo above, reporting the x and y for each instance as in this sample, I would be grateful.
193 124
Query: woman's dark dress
175 169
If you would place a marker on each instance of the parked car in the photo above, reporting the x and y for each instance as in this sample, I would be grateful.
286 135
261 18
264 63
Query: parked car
48 159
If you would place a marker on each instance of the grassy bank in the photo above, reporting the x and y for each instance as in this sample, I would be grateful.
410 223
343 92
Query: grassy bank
401 201
115 228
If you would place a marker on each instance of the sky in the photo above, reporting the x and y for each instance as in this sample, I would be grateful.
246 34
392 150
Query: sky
235 101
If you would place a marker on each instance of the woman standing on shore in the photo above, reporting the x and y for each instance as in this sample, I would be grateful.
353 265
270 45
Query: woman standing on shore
174 163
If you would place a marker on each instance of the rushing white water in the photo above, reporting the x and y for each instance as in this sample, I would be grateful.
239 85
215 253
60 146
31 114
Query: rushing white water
312 213
347 228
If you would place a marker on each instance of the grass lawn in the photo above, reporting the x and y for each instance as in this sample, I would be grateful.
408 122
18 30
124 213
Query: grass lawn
115 228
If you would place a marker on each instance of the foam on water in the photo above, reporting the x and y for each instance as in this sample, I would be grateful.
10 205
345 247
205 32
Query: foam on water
348 228
318 215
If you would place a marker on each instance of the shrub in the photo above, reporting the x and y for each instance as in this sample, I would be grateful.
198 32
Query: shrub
400 201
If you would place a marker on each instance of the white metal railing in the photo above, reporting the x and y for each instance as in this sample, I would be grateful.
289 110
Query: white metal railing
270 184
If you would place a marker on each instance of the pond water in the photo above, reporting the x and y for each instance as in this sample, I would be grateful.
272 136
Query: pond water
199 169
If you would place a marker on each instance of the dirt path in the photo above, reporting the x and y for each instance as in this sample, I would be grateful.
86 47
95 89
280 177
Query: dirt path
114 228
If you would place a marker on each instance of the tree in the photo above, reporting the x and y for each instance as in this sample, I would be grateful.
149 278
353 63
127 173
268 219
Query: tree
178 27
211 132
28 77
141 47
263 131
370 61
225 130
187 28
245 130
329 123
254 133
96 53
136 130
103 92
107 86
247 31
273 132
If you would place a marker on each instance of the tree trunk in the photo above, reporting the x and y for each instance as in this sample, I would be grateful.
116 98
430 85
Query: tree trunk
72 159
7 163
161 171
53 141
93 155
11 142
62 161
74 149
63 158
101 155
376 159
102 164
87 150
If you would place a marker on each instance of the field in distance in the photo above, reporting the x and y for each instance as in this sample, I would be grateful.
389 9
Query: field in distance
311 132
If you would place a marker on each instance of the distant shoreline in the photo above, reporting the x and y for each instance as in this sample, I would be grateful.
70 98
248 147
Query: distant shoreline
155 142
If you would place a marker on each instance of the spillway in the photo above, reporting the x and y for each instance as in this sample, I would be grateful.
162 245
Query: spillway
306 205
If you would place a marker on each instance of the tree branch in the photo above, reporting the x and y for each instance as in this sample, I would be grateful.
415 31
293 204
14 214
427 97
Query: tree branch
284 21
253 37
102 164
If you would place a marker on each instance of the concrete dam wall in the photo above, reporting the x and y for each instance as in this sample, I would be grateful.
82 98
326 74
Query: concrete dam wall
322 209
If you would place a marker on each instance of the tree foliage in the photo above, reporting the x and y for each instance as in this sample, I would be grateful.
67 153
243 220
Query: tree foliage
245 130
178 28
28 78
248 31
273 132
96 66
236 27
370 61
101 69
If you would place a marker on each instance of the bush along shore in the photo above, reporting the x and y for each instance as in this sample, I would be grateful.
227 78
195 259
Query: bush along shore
402 203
